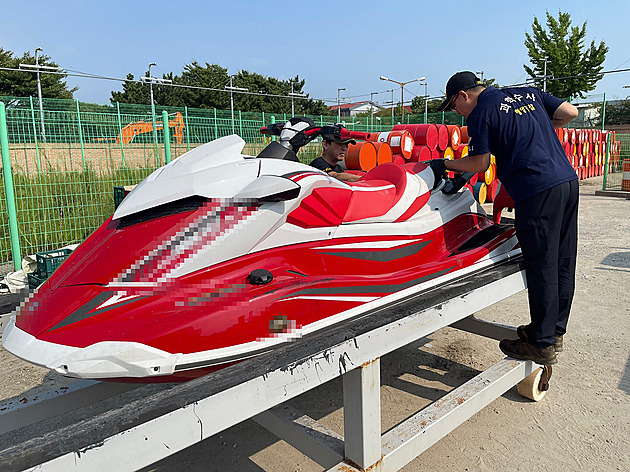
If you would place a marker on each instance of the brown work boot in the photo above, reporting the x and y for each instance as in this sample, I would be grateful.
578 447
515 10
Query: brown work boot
521 349
558 346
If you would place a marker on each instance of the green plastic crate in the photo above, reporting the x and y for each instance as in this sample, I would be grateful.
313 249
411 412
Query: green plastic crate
48 261
119 194
34 281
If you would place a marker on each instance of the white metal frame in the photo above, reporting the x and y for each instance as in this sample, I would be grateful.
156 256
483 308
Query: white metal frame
119 440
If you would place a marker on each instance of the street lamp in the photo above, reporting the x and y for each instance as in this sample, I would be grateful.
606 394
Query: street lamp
39 94
339 105
426 99
153 104
402 91
481 73
231 89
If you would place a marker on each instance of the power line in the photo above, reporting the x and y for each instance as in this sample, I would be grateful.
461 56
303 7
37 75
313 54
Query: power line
140 81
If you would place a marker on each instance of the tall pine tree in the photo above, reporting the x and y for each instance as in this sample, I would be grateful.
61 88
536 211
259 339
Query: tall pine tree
575 68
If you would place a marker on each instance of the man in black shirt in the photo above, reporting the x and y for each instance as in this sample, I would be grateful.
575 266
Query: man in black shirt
334 151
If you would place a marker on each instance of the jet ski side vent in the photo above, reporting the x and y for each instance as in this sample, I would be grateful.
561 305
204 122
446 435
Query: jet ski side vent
167 209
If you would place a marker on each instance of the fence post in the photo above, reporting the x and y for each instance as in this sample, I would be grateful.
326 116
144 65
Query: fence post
8 189
39 169
167 139
263 119
604 112
80 135
240 123
122 152
606 161
186 131
216 128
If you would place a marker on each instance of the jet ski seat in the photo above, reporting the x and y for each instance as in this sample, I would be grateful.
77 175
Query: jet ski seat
376 193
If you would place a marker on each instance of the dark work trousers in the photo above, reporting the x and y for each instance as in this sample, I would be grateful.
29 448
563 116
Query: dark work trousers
546 227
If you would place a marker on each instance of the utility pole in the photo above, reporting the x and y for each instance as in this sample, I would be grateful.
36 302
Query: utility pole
426 99
38 67
39 94
339 105
231 89
372 108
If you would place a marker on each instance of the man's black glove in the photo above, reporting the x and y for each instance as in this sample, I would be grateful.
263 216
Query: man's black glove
439 168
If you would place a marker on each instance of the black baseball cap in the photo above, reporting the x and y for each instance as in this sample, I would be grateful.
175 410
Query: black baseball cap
461 81
333 133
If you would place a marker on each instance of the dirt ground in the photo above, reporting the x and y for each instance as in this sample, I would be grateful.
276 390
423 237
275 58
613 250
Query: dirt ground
583 423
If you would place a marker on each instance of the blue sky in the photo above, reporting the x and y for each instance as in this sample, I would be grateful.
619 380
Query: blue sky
331 44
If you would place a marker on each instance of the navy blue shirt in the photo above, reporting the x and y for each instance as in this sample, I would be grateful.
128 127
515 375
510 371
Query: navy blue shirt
514 124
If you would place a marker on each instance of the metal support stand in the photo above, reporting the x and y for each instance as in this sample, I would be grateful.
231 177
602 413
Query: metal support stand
162 423
362 414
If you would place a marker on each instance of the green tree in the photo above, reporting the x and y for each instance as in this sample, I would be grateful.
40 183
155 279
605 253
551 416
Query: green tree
133 92
617 114
417 105
575 69
203 86
24 84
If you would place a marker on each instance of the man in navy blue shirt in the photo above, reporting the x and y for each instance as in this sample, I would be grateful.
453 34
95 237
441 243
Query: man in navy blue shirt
516 125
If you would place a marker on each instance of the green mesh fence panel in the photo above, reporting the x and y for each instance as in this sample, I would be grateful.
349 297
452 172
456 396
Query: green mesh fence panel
615 166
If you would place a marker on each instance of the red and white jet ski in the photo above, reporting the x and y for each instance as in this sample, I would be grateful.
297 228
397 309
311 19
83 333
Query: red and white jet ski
219 256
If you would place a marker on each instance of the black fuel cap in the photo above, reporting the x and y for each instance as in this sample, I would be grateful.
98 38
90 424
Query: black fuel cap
260 277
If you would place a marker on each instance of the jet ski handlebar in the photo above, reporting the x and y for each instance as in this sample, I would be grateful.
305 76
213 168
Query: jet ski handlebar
336 131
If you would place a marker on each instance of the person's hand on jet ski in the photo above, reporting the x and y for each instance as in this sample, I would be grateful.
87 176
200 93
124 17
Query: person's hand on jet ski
438 167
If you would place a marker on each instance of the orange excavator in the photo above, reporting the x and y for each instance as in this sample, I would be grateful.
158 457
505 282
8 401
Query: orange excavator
130 131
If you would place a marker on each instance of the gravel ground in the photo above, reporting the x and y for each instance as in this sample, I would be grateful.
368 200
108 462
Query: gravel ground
583 423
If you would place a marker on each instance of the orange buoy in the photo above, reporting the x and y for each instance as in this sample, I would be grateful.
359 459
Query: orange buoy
462 151
420 154
490 174
465 138
442 137
625 177
473 180
398 159
361 156
454 136
480 189
383 153
447 154
425 134
492 190
435 154
401 142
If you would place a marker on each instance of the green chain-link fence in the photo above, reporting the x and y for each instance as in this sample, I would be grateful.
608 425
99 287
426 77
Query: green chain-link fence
65 163
620 152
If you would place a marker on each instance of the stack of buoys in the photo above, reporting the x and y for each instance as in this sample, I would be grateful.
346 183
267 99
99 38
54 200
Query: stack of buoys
586 150
425 138
401 142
